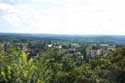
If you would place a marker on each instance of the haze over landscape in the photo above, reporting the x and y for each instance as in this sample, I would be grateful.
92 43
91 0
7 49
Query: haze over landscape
63 16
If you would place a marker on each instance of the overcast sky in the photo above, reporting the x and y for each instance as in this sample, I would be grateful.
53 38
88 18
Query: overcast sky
63 16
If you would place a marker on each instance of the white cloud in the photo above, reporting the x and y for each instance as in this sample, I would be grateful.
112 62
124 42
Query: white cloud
28 18
50 1
66 17
95 16
6 9
15 2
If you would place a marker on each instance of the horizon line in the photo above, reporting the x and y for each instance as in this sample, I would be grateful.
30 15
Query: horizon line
63 34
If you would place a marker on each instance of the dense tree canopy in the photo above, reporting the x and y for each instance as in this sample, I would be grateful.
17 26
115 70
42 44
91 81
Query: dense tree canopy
52 66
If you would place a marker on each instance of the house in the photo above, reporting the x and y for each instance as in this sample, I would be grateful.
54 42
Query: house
96 51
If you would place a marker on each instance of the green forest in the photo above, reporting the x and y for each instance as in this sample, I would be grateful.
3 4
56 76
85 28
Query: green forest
52 66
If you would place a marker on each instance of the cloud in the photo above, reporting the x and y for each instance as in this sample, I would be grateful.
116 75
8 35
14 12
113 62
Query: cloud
9 14
31 17
6 9
95 16
49 1
63 17
15 2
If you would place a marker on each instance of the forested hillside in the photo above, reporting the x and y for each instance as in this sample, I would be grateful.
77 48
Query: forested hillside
53 66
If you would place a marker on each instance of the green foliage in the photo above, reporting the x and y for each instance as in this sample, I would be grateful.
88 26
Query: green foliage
19 70
53 66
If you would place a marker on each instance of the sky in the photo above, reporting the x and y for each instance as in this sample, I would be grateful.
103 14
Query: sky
63 16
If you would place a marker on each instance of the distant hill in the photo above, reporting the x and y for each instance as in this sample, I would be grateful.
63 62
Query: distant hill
118 39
